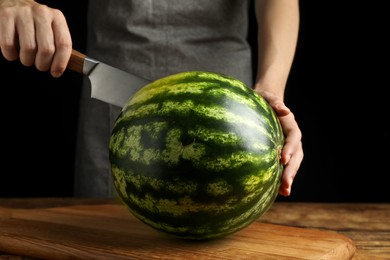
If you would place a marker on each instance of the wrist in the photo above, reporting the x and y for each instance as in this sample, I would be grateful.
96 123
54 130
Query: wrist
270 88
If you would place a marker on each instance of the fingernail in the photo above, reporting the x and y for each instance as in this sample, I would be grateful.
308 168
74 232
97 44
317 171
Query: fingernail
286 159
56 74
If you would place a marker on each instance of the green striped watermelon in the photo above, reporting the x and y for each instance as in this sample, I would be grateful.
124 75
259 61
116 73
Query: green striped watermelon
197 155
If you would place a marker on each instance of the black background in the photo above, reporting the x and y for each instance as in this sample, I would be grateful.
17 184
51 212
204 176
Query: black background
337 91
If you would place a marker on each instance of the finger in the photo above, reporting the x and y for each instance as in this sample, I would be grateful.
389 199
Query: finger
280 108
292 145
287 181
285 186
289 173
293 141
276 103
44 37
26 34
63 44
8 44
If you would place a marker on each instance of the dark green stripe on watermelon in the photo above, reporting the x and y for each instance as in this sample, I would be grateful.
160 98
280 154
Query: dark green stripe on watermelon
212 223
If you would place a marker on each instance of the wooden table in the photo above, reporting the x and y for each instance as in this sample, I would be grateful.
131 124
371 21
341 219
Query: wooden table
367 225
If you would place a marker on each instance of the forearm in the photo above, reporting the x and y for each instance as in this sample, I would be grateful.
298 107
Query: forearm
278 25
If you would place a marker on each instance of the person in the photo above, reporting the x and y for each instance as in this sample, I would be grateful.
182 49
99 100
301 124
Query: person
154 39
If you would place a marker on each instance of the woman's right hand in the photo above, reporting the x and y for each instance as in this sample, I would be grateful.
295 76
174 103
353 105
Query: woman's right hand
36 34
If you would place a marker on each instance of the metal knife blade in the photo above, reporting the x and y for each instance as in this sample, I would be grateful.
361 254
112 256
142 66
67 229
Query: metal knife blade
108 84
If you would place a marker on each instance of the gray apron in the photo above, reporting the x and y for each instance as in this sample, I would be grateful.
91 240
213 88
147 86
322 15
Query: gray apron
153 39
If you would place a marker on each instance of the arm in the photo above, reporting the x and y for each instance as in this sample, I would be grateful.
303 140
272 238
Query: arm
36 34
278 23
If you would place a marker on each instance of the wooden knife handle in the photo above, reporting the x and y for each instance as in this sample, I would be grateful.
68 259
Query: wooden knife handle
76 61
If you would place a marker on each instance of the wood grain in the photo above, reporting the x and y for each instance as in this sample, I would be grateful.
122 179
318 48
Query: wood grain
106 230
76 61
367 224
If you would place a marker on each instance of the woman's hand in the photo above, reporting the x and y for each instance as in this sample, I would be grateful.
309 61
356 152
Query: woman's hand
292 152
36 34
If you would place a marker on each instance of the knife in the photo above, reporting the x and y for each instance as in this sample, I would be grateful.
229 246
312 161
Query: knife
108 84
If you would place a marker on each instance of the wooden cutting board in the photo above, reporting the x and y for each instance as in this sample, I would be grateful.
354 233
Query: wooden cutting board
109 231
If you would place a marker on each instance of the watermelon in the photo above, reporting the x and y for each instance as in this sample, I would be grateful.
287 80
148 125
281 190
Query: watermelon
197 155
